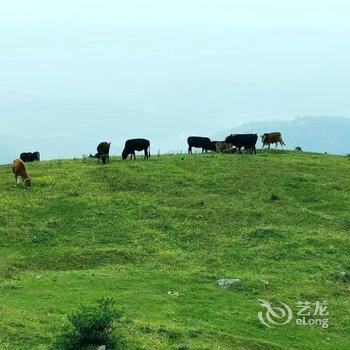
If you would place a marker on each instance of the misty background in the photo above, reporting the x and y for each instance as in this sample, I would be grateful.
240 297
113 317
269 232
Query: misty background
74 73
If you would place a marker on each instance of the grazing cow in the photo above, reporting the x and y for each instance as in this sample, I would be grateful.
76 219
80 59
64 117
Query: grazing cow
222 146
200 142
103 152
19 170
248 141
272 137
136 145
28 157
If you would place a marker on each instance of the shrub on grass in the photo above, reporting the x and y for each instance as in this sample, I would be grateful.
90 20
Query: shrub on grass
92 326
274 197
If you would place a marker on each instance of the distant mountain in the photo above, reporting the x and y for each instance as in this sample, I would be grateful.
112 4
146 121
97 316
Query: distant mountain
315 134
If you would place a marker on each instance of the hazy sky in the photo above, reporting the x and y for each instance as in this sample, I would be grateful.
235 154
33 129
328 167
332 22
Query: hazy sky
113 69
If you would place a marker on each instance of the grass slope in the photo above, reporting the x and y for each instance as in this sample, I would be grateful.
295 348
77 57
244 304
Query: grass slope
135 230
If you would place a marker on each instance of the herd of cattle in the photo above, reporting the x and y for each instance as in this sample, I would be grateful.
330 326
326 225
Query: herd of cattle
232 144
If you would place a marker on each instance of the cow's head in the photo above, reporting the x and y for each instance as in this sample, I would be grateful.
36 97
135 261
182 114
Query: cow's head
212 147
125 154
263 137
27 183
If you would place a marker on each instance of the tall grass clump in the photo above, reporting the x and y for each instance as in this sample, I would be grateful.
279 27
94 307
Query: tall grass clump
91 327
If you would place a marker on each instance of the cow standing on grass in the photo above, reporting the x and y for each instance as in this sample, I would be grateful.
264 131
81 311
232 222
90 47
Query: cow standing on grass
133 145
103 152
272 137
246 141
28 157
19 170
200 142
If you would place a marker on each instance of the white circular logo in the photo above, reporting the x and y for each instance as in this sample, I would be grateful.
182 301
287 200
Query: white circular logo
274 316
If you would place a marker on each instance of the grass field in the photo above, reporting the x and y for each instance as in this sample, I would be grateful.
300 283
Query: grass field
135 230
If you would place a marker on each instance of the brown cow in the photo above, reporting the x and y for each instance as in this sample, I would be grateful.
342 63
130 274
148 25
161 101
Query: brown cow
222 146
272 137
19 170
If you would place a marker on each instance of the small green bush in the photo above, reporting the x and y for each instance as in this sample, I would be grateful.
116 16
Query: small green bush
274 197
92 326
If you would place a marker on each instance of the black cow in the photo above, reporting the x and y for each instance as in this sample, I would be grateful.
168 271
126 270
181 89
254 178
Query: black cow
248 141
103 152
200 142
136 145
29 157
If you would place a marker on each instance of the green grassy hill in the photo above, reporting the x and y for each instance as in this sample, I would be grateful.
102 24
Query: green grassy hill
135 230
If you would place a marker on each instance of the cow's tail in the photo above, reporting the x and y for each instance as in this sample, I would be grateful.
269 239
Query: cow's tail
282 142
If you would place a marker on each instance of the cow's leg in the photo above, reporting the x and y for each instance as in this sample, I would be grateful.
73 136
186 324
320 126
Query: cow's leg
239 150
276 144
189 150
